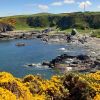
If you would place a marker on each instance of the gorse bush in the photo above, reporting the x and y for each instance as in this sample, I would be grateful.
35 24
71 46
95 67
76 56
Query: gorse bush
67 87
14 86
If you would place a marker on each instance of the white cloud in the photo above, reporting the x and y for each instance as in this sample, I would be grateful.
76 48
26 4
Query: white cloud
86 4
43 7
57 4
60 3
69 1
98 7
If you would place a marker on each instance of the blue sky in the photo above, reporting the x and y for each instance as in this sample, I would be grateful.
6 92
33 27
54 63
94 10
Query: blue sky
20 7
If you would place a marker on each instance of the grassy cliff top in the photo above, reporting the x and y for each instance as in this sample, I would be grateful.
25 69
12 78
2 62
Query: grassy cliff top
48 19
85 22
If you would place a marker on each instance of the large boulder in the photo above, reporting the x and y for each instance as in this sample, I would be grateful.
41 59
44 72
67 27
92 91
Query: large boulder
74 32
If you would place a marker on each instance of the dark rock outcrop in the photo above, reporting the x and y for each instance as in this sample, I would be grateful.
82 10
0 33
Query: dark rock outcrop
5 27
74 32
20 44
79 62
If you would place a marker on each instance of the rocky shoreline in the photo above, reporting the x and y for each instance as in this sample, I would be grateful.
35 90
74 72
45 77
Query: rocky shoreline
64 62
44 35
19 35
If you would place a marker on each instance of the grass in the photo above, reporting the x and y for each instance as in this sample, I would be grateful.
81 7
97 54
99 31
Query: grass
27 29
21 22
92 32
96 33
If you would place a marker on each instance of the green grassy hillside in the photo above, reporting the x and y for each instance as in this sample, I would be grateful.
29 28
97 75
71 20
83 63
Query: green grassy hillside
83 22
62 21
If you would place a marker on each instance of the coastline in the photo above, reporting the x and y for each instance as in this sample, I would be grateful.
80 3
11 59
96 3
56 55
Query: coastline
90 44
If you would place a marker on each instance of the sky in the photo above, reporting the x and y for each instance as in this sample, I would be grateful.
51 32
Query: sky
21 7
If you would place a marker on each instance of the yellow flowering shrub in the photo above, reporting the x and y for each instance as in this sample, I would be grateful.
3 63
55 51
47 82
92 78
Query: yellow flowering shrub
66 87
6 95
97 97
8 82
49 88
93 79
39 97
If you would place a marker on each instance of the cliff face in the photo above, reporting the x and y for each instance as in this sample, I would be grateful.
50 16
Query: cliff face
5 27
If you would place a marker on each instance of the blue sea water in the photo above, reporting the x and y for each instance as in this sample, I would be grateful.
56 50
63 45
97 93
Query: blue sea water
13 58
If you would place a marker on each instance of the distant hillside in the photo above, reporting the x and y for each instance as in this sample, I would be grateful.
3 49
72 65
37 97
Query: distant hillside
62 21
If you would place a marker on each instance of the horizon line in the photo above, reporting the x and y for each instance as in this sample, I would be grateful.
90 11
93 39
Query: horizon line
49 13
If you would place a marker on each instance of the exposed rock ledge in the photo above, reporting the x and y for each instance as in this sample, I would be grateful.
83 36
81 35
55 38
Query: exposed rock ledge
77 63
18 34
